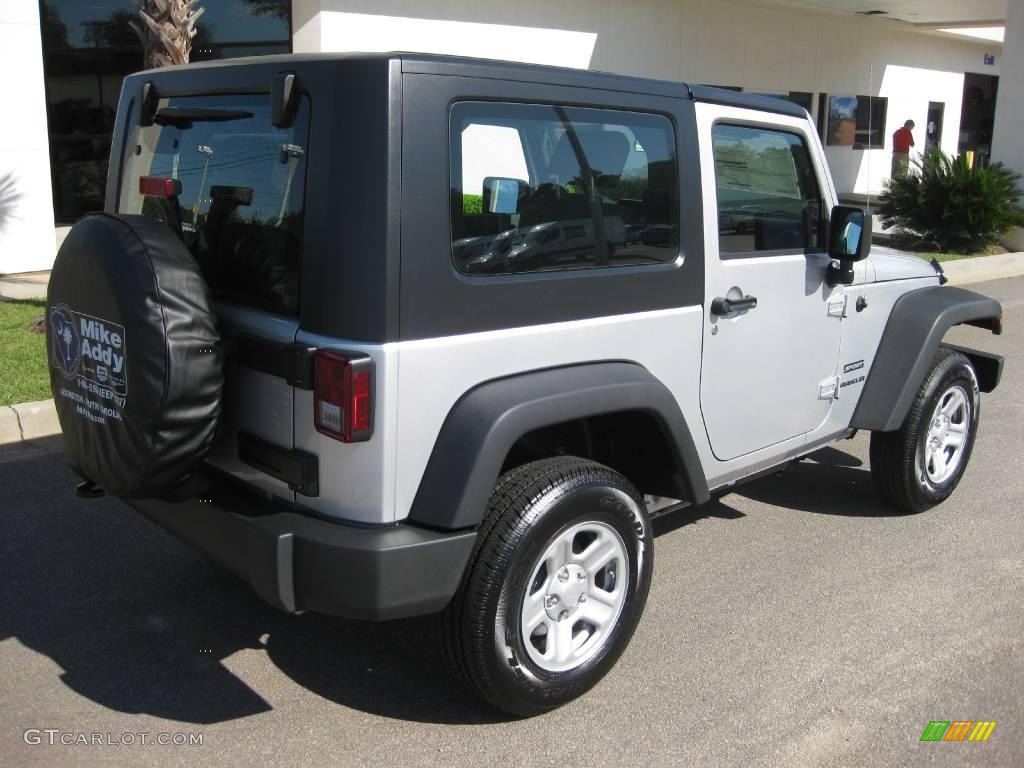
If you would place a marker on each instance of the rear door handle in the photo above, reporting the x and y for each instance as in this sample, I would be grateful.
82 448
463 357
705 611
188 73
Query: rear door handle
723 306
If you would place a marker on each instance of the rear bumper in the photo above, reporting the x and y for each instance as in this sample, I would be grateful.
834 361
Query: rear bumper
297 562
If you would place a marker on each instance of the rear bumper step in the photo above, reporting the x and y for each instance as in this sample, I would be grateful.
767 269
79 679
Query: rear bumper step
297 562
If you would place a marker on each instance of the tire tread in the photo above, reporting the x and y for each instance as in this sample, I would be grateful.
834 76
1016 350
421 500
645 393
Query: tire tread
893 455
509 514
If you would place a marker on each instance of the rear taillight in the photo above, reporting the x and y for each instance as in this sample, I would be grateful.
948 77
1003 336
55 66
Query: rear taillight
343 395
159 186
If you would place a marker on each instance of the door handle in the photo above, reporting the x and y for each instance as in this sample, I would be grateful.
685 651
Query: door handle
723 306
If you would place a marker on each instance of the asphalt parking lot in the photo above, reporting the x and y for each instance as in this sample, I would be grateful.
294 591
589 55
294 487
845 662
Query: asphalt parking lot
796 622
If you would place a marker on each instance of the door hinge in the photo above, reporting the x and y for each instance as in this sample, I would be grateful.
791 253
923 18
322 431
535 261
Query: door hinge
299 469
837 306
829 388
292 361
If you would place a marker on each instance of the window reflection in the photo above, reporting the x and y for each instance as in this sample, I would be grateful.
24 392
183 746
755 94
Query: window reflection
541 188
768 196
240 209
88 48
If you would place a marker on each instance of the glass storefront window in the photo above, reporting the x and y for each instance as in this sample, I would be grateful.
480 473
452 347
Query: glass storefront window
88 48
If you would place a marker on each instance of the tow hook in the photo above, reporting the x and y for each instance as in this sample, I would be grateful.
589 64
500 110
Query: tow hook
89 490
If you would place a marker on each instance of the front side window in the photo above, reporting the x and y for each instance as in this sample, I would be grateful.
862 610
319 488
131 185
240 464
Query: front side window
768 196
538 188
242 190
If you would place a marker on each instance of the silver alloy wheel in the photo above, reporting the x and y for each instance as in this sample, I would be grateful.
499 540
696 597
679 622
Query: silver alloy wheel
943 447
574 596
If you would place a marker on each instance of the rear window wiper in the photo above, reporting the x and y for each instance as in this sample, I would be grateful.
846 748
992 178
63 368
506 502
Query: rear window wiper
183 117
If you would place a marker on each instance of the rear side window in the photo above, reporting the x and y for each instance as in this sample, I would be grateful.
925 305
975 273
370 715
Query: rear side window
768 197
242 190
539 188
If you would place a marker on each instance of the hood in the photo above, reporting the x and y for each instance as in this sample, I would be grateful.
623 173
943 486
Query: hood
891 264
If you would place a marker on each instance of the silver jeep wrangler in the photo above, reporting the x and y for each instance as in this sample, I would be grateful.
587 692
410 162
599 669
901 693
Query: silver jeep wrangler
391 335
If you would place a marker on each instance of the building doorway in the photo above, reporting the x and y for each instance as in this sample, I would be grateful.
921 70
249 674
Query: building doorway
977 116
933 130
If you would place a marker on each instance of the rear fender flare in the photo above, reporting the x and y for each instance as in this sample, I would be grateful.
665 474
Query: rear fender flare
486 421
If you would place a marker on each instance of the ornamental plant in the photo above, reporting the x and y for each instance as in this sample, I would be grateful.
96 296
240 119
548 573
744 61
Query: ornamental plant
944 205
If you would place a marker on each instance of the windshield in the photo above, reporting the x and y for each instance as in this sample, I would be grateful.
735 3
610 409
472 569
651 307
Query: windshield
242 190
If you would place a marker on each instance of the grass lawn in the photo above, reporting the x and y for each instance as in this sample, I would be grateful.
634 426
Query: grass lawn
24 374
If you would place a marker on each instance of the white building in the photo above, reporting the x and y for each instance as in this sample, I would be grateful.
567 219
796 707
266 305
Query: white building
861 67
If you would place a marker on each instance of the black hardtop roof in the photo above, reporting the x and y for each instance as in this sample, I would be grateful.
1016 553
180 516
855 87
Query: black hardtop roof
509 70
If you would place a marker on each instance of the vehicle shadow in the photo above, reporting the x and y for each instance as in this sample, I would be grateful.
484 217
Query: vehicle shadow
674 519
827 482
139 623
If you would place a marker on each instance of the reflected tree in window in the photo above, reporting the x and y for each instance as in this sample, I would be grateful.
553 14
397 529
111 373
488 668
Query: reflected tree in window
277 8
115 31
55 31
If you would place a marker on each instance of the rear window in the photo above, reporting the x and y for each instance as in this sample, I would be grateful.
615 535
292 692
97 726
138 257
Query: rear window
538 188
242 191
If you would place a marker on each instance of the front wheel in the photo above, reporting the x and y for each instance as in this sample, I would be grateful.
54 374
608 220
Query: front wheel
555 587
919 465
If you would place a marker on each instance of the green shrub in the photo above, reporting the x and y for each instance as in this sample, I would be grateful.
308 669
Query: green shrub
943 204
472 203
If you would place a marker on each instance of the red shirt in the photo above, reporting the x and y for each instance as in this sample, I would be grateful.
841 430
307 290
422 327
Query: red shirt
902 140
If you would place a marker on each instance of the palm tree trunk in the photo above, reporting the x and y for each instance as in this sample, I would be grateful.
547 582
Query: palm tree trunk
166 29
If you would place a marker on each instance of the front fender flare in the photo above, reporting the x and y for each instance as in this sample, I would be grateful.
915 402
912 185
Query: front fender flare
486 421
916 325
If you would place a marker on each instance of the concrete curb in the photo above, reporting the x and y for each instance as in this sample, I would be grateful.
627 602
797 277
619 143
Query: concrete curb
981 268
28 421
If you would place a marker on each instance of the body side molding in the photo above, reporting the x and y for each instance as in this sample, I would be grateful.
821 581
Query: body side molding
912 335
484 423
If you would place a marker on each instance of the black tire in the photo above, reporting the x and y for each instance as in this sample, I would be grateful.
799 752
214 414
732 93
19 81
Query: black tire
532 506
899 462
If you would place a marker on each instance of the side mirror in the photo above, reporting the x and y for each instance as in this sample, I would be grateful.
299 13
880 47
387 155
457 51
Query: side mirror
502 195
849 241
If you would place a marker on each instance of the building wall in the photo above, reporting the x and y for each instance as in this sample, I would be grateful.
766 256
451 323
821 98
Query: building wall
1008 138
26 200
722 43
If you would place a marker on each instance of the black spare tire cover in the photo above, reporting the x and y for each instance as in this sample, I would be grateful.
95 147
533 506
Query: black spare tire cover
136 365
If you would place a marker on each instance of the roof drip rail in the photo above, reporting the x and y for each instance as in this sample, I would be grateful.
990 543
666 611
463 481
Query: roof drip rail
745 100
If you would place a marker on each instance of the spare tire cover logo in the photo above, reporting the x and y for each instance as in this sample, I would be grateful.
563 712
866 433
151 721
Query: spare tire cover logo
66 343
90 352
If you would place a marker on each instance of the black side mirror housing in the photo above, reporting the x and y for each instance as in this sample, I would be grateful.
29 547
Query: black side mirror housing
849 241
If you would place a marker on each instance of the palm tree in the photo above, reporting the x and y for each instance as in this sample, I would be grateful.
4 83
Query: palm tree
166 30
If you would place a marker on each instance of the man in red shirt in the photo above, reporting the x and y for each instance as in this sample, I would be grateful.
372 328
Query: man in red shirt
902 141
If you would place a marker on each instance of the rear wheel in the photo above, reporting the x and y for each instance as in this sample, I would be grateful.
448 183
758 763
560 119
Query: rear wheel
920 464
555 587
